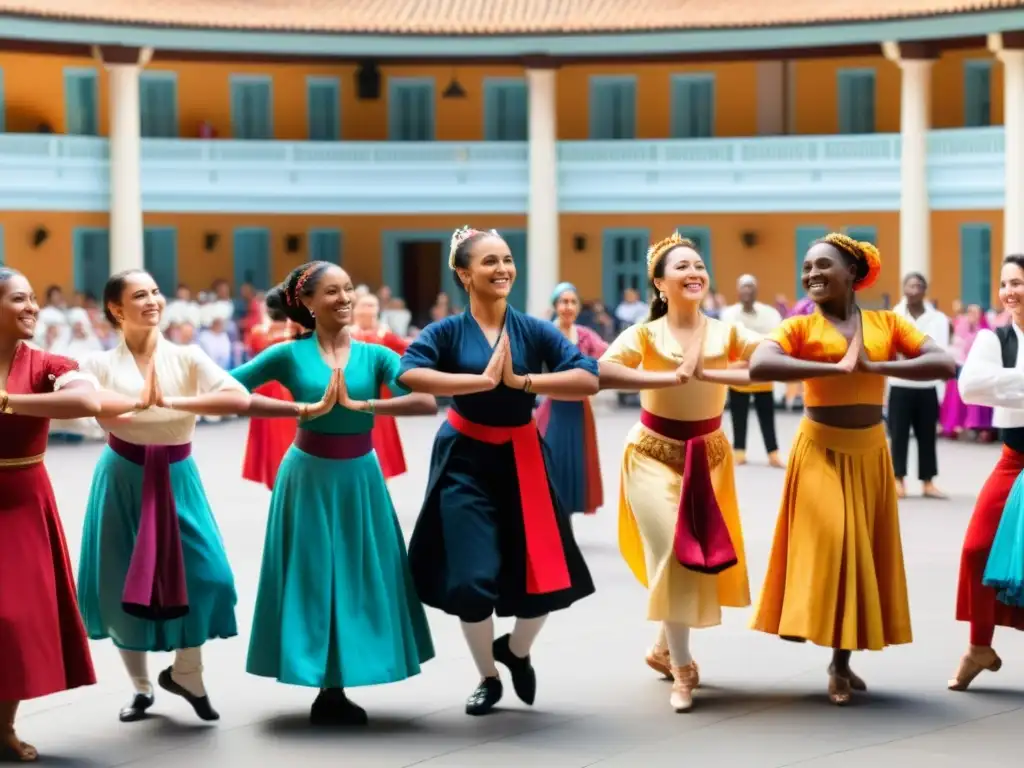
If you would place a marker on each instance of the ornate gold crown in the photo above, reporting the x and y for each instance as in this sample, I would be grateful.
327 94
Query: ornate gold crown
660 248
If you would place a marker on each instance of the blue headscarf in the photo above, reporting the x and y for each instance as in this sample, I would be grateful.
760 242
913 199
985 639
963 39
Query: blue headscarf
562 288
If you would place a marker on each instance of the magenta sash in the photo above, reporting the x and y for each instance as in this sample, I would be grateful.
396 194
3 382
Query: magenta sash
337 447
702 541
155 587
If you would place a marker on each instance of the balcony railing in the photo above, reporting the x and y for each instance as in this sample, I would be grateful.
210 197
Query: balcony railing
792 173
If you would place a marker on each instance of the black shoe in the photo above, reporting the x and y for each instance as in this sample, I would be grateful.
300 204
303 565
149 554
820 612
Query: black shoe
524 678
135 710
487 694
333 707
201 704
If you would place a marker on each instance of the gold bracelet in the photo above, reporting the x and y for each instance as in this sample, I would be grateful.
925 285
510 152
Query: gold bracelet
527 383
5 406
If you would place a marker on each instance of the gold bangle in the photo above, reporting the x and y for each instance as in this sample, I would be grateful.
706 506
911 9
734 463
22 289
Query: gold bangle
527 383
5 406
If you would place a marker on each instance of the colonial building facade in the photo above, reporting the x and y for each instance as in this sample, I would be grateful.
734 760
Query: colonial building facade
204 144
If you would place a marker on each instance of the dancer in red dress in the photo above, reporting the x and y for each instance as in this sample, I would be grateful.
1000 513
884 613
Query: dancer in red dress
269 439
42 640
992 376
368 328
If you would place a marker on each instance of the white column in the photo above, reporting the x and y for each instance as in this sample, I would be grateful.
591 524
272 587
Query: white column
125 175
542 237
1013 108
915 210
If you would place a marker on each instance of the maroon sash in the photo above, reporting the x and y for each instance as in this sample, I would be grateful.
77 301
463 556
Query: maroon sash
702 541
337 447
154 587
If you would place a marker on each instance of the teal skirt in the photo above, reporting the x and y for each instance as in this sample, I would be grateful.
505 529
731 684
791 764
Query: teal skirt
1004 571
336 606
111 523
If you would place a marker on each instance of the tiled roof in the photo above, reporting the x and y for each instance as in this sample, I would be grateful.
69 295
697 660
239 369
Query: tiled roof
478 17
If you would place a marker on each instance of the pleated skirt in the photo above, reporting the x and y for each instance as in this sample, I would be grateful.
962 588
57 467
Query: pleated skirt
43 647
648 512
569 430
336 605
108 539
835 573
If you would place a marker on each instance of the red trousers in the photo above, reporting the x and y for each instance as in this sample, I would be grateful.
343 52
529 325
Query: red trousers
976 603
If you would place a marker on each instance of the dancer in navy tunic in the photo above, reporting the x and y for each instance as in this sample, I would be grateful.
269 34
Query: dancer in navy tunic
492 536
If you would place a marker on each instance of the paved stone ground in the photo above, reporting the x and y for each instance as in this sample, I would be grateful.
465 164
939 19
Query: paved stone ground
764 703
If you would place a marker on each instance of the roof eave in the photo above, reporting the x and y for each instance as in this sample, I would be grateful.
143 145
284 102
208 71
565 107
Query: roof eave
608 45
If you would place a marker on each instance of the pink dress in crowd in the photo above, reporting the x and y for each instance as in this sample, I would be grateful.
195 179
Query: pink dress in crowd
955 415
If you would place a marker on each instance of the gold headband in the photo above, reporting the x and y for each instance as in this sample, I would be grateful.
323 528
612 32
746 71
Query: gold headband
657 251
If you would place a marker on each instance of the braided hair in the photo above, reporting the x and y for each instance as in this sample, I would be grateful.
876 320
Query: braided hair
863 256
286 297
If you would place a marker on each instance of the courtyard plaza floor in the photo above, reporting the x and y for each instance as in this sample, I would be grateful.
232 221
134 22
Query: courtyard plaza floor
763 703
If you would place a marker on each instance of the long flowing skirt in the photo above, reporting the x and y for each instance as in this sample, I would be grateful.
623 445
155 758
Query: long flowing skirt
336 605
649 496
956 415
976 602
108 539
268 441
43 646
569 430
835 573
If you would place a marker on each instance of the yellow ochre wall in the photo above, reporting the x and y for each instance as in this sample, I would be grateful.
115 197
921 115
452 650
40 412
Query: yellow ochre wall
33 89
772 260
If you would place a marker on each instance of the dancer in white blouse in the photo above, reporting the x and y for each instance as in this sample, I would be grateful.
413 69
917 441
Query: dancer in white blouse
153 574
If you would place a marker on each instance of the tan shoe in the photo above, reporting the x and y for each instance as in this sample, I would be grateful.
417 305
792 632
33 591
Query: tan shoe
683 683
977 660
658 660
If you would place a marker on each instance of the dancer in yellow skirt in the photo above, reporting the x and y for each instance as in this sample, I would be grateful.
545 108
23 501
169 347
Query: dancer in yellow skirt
678 462
835 574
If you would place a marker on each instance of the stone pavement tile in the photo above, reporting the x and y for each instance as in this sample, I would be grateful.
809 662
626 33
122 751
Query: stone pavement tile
598 704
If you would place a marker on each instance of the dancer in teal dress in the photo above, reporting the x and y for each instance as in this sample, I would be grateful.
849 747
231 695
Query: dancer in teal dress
336 606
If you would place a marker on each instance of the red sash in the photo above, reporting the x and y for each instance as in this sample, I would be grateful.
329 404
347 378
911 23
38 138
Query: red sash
702 541
546 569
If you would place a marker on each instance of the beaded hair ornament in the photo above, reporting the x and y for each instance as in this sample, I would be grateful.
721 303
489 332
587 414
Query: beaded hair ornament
863 252
293 297
657 251
461 235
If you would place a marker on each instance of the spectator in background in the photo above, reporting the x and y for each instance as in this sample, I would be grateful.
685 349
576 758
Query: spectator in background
216 343
762 319
915 404
631 310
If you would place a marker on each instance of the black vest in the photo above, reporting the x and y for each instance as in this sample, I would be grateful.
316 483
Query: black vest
1012 438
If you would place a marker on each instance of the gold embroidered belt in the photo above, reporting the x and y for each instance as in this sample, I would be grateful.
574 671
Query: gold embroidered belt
24 461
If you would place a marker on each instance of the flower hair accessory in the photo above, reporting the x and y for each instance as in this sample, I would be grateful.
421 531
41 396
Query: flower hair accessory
293 297
657 251
461 235
861 251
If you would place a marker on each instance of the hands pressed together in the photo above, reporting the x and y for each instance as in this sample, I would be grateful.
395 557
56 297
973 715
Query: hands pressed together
335 394
856 358
499 368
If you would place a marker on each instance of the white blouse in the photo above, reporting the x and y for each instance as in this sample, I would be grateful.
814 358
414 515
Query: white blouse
182 371
984 381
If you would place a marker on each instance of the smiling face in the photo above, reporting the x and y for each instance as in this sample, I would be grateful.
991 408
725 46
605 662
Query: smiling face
332 299
492 271
19 309
568 307
685 276
141 304
826 274
1011 288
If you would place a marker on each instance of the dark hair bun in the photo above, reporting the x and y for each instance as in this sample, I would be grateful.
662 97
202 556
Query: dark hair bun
286 297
